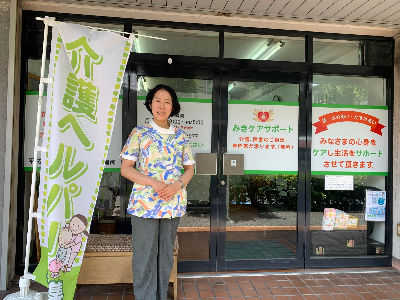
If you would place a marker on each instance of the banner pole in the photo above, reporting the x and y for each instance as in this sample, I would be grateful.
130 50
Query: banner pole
35 153
115 31
24 282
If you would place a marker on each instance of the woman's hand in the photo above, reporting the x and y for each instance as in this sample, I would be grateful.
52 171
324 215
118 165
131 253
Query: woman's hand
128 171
158 185
169 191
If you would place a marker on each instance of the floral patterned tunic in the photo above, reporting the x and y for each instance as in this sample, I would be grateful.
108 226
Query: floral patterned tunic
160 153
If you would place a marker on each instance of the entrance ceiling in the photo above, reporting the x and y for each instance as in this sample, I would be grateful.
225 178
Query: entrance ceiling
365 12
356 11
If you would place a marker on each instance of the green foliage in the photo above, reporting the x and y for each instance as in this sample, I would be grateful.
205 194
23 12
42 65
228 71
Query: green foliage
348 201
256 89
279 193
198 191
341 94
265 192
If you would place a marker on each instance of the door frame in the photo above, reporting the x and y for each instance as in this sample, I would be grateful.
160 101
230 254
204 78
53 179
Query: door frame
218 209
280 263
130 120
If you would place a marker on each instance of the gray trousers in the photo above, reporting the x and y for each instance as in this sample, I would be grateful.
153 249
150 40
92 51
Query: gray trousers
153 245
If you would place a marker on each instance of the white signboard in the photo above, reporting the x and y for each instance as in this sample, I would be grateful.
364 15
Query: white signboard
347 140
113 162
375 206
195 119
339 183
266 133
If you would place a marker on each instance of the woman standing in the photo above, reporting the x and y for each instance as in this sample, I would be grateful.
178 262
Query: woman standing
152 158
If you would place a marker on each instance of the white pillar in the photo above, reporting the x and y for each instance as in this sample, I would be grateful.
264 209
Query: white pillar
8 41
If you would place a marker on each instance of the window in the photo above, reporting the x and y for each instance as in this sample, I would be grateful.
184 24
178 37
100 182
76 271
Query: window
349 138
178 42
263 47
344 52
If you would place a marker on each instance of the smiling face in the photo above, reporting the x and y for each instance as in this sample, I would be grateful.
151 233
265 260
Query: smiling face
161 107
76 226
263 116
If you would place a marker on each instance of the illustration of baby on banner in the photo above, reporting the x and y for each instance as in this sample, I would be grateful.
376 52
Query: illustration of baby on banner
70 239
86 71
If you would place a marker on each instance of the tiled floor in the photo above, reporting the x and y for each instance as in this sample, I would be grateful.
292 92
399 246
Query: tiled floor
350 284
382 285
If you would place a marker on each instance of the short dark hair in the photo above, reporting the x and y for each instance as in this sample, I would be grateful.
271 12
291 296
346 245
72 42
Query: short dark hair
176 108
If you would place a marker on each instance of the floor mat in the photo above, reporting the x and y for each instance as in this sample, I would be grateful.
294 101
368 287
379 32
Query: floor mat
262 249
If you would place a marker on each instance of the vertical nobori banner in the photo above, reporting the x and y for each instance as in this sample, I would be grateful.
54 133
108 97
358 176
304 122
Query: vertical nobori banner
86 72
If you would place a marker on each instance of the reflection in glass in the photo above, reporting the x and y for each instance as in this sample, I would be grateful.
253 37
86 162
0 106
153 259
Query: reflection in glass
363 52
184 88
263 91
194 227
360 239
261 217
350 90
263 47
337 52
107 211
179 42
33 76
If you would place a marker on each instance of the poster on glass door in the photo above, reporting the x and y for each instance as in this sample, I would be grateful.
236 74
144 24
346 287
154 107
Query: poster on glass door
266 133
112 163
375 202
348 140
195 119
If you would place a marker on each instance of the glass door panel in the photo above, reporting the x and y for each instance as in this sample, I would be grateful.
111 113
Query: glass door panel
353 236
237 221
351 144
261 217
261 205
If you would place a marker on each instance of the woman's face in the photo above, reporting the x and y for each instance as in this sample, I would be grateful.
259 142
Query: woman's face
161 106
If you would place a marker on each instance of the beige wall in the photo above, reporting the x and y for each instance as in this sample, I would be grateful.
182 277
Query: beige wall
9 119
4 30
